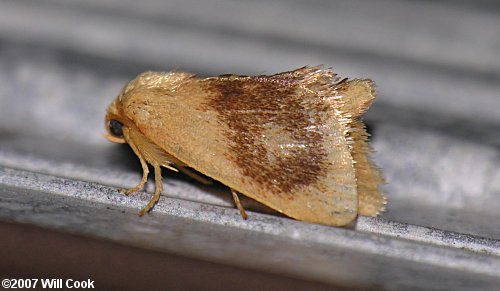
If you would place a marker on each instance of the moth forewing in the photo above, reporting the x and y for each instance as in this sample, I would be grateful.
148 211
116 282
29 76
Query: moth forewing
285 140
356 97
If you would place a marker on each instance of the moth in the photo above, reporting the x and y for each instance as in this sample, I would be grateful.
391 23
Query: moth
293 141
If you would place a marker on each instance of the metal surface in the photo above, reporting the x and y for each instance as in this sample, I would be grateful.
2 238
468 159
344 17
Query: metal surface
435 129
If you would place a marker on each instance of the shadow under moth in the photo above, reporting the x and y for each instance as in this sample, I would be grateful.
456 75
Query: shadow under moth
293 141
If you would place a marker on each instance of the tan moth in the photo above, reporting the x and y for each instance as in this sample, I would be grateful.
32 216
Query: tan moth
293 141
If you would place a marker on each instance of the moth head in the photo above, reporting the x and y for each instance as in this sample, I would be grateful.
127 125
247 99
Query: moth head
114 125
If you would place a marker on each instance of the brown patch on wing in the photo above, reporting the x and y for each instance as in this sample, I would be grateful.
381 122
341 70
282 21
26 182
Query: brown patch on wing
270 124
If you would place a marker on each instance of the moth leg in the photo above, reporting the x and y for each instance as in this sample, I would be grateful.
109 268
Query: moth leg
158 189
238 204
145 173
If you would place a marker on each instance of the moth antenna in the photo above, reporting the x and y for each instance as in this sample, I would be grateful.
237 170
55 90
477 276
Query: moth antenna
113 138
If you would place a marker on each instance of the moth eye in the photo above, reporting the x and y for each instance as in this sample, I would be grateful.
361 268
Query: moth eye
115 127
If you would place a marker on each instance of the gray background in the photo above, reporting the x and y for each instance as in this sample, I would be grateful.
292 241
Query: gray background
435 128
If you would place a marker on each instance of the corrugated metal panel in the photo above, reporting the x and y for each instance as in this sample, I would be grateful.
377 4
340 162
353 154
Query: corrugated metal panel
435 128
